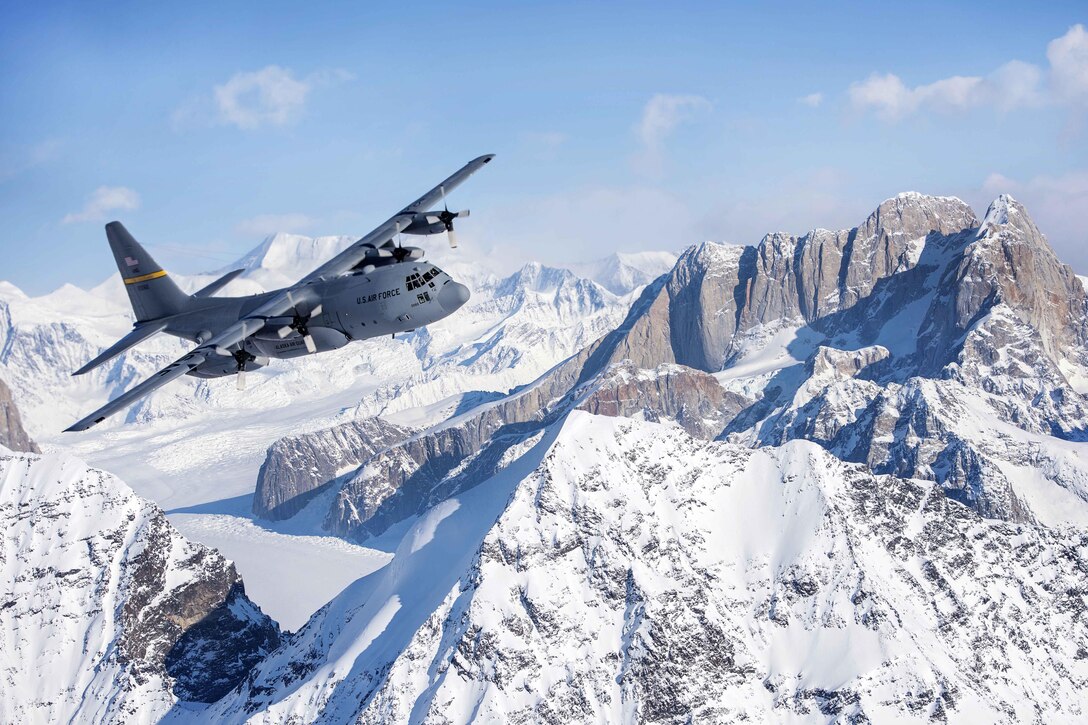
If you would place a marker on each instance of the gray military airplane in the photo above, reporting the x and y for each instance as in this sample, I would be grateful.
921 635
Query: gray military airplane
374 287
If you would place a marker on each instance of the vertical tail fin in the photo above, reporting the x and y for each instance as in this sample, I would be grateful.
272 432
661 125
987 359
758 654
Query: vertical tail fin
152 293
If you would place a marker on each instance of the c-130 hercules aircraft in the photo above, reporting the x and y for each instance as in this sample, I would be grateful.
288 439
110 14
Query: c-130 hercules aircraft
374 287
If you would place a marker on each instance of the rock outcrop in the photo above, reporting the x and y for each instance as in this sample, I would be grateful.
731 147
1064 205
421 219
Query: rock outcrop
296 468
12 434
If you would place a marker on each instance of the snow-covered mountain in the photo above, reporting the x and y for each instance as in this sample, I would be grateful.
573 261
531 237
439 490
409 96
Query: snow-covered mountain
623 272
835 477
618 571
108 613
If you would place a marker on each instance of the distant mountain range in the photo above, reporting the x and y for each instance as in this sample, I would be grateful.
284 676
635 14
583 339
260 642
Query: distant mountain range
840 477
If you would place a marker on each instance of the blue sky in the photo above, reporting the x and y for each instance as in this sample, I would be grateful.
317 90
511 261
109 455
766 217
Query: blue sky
622 126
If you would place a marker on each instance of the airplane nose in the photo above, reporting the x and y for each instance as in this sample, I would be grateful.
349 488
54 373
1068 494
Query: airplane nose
452 296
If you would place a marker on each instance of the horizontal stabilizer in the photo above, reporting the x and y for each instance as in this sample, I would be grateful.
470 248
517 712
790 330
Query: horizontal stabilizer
218 284
132 339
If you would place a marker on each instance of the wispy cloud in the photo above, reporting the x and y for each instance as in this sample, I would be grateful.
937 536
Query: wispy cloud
661 116
265 224
544 144
271 96
812 99
1015 84
15 161
104 200
663 113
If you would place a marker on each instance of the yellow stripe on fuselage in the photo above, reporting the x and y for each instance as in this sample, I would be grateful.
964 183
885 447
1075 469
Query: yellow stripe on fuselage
145 277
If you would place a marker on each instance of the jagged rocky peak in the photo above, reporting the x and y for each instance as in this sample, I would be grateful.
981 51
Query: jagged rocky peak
1003 211
910 213
1010 265
119 616
717 294
12 434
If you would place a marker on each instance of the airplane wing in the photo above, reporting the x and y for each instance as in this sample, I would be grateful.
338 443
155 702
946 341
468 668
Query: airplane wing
284 302
367 246
239 331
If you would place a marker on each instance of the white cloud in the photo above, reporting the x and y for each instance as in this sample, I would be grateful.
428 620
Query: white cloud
812 99
1015 84
104 199
271 96
16 160
265 224
1068 56
663 113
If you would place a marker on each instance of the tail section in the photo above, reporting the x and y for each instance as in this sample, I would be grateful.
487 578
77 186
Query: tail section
152 293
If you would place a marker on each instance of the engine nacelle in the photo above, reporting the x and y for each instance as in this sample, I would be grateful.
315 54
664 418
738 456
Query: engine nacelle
325 338
433 222
219 366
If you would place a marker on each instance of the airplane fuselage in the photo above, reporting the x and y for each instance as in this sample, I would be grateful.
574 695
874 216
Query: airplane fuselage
359 305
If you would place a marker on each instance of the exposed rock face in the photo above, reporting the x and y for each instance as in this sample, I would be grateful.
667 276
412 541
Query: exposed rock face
693 399
1009 262
297 467
716 295
827 362
638 575
113 614
12 434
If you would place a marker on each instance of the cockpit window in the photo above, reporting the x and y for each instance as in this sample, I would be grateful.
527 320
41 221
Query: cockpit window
414 281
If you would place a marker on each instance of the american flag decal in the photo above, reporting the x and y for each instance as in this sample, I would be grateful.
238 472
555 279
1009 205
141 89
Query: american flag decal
131 262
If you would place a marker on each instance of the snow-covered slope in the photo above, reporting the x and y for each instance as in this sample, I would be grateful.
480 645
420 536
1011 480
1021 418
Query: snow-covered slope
635 574
108 614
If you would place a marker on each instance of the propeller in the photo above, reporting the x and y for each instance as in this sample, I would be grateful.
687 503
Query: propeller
242 357
300 324
446 217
